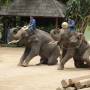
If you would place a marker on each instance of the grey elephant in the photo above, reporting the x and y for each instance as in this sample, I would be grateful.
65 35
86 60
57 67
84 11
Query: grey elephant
75 46
38 43
55 34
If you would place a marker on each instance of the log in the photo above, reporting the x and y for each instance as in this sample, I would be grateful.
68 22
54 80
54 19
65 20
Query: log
84 89
65 83
68 83
70 88
74 81
83 84
79 78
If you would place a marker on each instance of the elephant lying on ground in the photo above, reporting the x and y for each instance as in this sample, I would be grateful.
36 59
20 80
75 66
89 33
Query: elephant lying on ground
74 45
38 43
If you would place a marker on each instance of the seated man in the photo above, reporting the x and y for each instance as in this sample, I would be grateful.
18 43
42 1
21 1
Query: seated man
71 24
56 33
32 24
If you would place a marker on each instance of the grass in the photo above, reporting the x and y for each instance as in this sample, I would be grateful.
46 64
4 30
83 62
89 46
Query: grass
87 33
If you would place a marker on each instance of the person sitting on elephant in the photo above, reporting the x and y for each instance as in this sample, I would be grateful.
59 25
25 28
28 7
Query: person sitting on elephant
64 26
32 24
40 43
56 33
63 30
71 24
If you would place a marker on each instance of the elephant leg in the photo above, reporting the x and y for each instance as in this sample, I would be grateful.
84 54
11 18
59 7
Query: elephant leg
86 57
69 54
63 53
79 62
43 61
33 52
52 60
25 54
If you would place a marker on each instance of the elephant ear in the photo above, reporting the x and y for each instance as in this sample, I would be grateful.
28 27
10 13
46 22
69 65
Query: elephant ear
33 39
80 36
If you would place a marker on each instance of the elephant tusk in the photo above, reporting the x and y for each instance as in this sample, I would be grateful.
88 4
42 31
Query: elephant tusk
14 41
53 42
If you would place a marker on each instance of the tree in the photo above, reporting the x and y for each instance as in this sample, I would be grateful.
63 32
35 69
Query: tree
5 2
64 1
80 11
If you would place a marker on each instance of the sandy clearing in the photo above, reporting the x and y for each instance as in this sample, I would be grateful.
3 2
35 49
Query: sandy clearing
13 77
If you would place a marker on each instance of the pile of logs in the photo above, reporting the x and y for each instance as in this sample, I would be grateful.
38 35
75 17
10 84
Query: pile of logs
80 83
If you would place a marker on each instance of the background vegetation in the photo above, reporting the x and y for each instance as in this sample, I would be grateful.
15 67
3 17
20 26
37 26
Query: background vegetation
79 10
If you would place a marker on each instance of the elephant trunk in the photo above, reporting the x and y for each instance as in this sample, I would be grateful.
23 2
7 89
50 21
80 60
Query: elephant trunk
14 39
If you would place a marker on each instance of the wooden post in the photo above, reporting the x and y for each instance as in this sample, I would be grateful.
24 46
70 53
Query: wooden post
56 22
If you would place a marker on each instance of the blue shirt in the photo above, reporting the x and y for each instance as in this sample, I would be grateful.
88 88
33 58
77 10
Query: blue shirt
71 25
32 25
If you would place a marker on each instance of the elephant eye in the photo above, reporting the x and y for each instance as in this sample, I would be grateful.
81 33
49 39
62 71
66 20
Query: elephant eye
15 31
78 37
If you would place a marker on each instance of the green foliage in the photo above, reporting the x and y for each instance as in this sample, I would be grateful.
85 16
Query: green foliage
87 33
5 2
79 10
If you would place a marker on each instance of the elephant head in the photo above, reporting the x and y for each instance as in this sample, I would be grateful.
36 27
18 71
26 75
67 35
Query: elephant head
76 39
17 35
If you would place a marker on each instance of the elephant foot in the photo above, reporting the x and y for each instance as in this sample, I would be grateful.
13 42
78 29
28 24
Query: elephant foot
20 64
25 65
60 67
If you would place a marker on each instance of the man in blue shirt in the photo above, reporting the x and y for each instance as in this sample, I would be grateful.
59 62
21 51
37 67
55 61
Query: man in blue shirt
32 24
71 23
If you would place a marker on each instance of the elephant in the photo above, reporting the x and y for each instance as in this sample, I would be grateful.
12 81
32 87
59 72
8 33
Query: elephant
55 34
74 46
37 43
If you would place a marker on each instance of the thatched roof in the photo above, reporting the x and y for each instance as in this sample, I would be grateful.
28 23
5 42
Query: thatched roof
47 8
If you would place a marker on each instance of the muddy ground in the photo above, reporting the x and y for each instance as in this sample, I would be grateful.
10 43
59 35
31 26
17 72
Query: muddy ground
13 77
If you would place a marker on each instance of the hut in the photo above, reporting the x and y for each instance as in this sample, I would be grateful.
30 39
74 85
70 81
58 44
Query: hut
46 8
38 8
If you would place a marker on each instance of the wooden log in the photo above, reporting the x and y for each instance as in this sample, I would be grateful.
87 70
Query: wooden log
71 82
75 82
67 83
84 89
78 85
83 84
79 78
70 88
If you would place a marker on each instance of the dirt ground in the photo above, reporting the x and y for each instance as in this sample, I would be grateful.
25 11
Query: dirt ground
13 77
